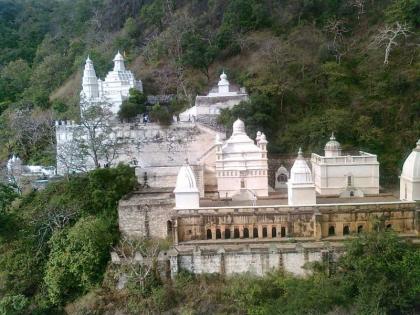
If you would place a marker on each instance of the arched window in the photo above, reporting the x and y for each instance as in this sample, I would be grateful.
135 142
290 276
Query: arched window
255 232
283 231
209 236
242 183
360 229
264 231
236 233
282 178
346 230
273 232
331 231
218 234
246 233
227 233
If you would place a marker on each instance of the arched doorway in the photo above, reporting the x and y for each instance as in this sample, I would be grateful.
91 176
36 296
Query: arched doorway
218 234
169 229
331 231
346 230
264 232
255 232
283 231
209 234
227 233
273 232
246 233
236 233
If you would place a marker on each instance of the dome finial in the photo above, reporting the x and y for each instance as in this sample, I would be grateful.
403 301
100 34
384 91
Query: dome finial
300 154
332 136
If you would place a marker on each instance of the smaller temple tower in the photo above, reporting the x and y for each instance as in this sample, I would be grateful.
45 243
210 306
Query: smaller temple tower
90 86
187 195
301 187
223 84
410 176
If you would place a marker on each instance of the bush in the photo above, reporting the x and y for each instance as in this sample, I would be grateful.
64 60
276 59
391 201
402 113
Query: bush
161 114
78 258
14 305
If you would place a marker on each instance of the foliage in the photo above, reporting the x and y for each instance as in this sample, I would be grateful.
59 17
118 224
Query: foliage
133 106
381 273
78 258
161 114
65 230
14 305
7 195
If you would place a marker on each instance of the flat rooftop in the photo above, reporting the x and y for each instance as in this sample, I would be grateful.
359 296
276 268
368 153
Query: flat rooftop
282 200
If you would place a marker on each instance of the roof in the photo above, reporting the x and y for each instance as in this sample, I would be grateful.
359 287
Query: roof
411 168
185 181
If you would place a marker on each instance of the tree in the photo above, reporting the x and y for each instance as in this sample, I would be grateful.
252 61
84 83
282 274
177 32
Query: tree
199 52
381 273
388 37
93 141
7 196
133 106
78 258
336 28
161 114
14 79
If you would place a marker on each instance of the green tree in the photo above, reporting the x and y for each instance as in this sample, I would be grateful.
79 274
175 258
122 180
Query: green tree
381 274
161 114
198 52
78 258
7 195
14 79
14 305
133 106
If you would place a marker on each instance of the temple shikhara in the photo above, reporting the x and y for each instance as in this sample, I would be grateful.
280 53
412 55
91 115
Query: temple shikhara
216 195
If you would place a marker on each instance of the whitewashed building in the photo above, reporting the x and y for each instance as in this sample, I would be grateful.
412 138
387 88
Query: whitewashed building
301 187
114 89
345 175
241 165
224 95
410 176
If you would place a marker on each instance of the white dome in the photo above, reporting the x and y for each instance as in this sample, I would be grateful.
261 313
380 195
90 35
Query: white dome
332 145
185 182
411 168
300 172
238 127
223 76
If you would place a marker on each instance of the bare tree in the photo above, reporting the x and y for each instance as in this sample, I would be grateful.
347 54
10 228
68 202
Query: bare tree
388 37
93 141
360 7
336 28
139 257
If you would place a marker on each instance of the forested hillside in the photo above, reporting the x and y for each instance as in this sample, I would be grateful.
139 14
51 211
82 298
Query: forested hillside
311 67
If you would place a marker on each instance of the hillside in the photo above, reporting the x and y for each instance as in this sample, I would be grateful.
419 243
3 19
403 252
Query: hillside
312 67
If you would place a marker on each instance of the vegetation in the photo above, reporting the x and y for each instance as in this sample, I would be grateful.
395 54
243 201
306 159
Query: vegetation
312 67
55 243
379 274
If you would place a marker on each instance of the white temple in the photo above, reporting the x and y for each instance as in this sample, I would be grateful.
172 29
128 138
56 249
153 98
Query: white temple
114 89
224 95
410 176
186 191
345 175
241 165
301 187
